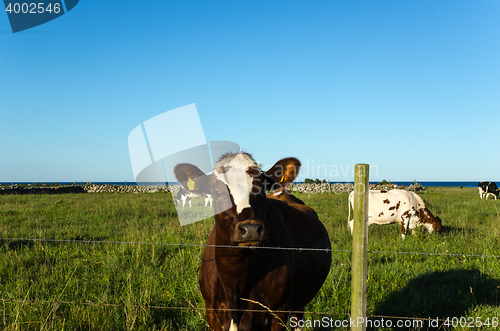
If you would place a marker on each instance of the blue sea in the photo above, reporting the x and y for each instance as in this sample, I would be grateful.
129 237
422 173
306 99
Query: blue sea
427 184
434 184
441 184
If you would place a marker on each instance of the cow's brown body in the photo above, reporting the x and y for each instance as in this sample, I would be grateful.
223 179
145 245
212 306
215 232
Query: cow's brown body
279 279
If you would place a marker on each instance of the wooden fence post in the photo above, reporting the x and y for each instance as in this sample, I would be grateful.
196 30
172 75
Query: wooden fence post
359 248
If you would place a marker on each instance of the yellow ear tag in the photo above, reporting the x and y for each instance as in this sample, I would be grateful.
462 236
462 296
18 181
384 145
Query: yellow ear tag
282 179
190 184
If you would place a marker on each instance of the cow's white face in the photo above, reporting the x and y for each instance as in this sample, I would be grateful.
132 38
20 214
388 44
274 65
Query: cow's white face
233 170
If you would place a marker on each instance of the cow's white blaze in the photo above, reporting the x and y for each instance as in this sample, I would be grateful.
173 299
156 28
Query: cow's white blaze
234 174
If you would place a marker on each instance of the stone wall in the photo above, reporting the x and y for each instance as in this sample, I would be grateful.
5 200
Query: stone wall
107 188
32 189
333 188
89 188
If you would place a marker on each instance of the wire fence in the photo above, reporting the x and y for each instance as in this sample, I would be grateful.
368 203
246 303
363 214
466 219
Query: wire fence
193 308
300 249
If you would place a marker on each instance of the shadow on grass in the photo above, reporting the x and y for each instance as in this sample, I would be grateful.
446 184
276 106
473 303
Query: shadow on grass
440 295
454 230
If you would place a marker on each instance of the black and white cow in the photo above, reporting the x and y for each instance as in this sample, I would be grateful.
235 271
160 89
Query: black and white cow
397 206
487 188
186 196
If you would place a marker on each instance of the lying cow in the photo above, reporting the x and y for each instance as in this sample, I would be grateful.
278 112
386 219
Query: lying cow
397 206
186 196
236 265
487 188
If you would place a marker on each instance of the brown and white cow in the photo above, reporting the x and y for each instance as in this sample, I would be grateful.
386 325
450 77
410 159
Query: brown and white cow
241 261
397 206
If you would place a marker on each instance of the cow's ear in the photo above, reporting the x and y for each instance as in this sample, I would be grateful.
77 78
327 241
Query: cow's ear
284 171
191 178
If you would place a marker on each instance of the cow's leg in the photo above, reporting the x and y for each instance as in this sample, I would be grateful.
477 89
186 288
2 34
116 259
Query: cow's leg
190 203
412 225
213 321
480 194
416 222
405 223
351 225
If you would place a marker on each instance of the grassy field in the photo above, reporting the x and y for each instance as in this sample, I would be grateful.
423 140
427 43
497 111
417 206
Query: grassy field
122 285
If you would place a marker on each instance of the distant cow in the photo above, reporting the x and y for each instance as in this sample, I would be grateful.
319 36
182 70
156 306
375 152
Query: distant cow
186 196
487 188
397 206
246 256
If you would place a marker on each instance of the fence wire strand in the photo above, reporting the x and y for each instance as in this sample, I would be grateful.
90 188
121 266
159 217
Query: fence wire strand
327 250
212 309
300 249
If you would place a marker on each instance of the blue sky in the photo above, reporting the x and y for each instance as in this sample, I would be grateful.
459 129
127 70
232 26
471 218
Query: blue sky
410 87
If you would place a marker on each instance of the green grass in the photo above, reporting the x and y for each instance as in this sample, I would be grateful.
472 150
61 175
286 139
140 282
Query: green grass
126 286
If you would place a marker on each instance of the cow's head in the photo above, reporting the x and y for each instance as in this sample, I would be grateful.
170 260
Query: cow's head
238 187
426 217
438 226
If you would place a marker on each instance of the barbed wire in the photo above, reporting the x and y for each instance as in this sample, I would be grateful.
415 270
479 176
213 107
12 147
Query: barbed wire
211 309
439 254
225 246
169 307
326 250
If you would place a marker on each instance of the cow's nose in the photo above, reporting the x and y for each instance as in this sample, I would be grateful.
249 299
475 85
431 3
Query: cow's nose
250 231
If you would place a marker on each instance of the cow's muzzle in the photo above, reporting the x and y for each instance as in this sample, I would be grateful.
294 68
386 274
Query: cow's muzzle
249 233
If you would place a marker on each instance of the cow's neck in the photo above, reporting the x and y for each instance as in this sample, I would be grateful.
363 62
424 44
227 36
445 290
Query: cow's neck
233 264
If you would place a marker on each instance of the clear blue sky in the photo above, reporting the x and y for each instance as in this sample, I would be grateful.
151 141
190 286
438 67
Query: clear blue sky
410 87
